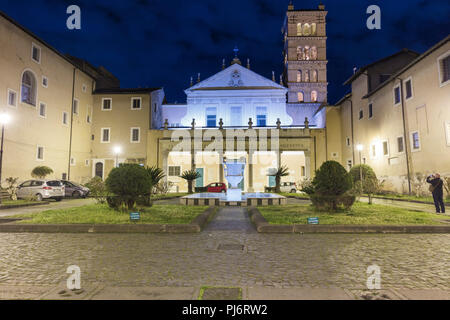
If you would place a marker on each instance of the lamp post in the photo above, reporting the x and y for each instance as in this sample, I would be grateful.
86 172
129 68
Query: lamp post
4 119
117 151
359 147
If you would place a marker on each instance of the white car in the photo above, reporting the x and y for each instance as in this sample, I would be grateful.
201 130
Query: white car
41 189
288 187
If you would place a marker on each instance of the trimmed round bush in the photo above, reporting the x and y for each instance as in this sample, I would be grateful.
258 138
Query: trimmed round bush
129 182
332 179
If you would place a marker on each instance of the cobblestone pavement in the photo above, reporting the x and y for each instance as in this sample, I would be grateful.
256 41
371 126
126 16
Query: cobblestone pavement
65 204
211 258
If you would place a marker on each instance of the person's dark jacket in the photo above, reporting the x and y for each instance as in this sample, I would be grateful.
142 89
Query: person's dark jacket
438 184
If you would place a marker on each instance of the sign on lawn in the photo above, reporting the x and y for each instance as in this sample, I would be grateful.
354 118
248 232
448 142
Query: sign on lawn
135 216
313 220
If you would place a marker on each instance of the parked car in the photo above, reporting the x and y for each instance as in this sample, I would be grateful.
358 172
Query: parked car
75 190
41 189
216 187
287 187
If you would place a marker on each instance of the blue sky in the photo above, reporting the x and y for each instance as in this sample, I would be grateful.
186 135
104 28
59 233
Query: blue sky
162 43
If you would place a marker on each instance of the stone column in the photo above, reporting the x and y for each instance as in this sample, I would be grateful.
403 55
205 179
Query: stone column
221 177
307 164
250 172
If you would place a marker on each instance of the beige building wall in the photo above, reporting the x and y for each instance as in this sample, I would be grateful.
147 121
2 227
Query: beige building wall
426 112
28 129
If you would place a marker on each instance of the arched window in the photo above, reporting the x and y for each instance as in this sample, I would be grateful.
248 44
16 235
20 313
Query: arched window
28 88
299 29
314 53
299 76
306 78
299 53
313 29
300 97
314 96
307 53
306 29
314 75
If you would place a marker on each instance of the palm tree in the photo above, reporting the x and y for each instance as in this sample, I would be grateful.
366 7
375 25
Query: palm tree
283 171
156 175
41 172
190 176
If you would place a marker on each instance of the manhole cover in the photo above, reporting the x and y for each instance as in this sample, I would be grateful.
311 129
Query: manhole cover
224 246
220 293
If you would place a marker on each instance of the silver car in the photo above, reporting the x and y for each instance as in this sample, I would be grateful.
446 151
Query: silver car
41 189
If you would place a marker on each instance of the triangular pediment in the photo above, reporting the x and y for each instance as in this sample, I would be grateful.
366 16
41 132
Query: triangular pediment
235 77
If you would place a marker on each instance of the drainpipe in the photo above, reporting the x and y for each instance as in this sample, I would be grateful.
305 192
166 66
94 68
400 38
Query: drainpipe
405 136
71 122
351 126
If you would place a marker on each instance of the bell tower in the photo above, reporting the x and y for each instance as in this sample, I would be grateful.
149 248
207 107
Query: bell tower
305 62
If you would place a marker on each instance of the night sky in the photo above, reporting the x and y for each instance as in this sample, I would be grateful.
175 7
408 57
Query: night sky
162 43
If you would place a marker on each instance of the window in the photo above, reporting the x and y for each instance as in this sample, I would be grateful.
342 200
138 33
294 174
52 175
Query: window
86 162
261 116
373 150
313 29
303 171
73 162
300 97
370 110
313 53
136 103
12 98
415 141
306 76
88 115
155 106
135 135
75 107
105 135
400 145
314 96
397 95
106 104
385 148
29 88
444 69
211 117
174 171
349 164
40 153
299 29
36 53
299 76
84 88
361 114
306 53
65 118
299 53
236 116
314 77
408 89
42 110
348 142
44 82
306 29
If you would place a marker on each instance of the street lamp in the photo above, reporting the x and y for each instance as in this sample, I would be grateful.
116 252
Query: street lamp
4 119
359 147
117 151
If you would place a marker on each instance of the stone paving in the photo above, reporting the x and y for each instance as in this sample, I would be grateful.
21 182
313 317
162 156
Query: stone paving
415 261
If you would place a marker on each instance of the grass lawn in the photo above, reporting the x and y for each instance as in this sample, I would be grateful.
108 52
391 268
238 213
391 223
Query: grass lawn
102 214
361 213
16 203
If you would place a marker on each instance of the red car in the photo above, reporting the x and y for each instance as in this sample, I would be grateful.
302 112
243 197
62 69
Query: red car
216 187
